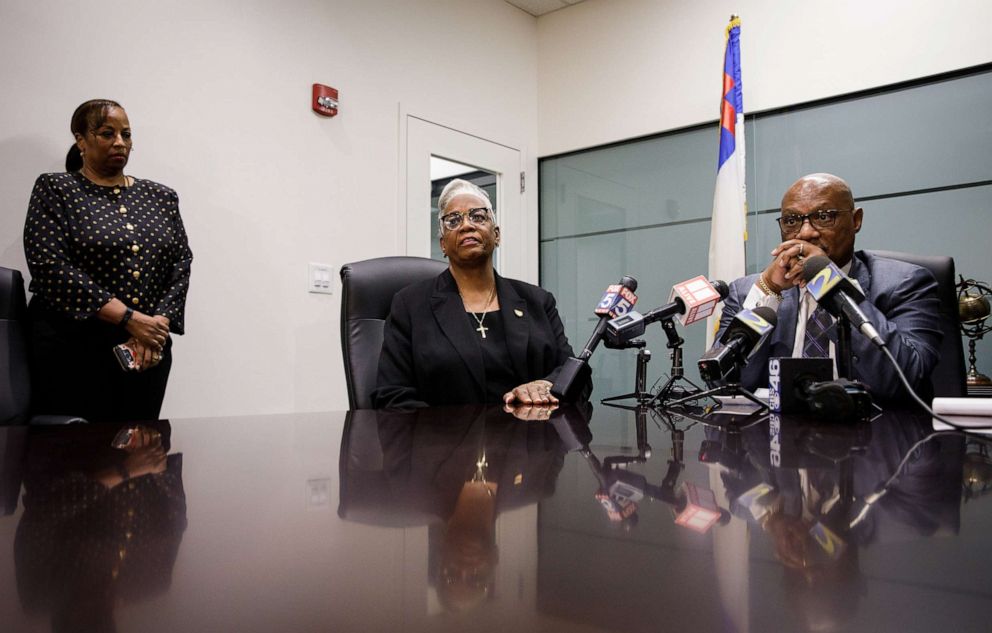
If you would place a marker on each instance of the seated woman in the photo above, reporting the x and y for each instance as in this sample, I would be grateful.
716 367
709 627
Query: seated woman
468 335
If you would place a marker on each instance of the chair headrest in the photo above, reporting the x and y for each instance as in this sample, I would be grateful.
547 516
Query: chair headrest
12 301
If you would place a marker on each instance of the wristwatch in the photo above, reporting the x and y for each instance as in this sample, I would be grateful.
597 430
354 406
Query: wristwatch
128 313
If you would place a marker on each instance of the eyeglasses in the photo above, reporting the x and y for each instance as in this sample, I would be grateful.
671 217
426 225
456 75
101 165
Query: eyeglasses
476 217
821 219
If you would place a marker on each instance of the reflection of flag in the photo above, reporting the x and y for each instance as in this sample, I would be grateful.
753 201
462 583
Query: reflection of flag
729 228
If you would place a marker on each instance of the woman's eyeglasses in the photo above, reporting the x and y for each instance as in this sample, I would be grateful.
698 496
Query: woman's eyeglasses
476 217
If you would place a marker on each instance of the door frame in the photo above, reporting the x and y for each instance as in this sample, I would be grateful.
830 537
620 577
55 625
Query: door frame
419 138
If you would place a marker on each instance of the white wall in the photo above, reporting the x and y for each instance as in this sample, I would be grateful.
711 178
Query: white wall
615 69
218 94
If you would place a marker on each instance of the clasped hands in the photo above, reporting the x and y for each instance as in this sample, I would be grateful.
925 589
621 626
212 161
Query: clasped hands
145 456
531 401
148 337
786 268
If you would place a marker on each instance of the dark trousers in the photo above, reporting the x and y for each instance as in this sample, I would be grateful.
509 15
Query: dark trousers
74 371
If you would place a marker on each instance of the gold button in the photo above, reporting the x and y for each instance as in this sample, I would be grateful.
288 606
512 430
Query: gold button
134 301
130 512
135 248
123 209
117 189
130 227
136 274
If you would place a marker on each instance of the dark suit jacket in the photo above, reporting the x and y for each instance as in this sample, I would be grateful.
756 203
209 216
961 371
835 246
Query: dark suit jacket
900 301
431 355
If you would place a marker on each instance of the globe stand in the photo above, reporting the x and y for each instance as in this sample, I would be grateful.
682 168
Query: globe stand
975 377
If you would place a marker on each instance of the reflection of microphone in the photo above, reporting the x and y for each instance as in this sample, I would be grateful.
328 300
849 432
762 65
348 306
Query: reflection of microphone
619 299
833 290
693 300
743 337
571 422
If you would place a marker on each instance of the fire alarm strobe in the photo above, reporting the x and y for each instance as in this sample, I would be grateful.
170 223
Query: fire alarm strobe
325 100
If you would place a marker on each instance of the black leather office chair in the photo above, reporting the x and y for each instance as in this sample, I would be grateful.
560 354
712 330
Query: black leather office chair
15 377
15 385
367 290
949 376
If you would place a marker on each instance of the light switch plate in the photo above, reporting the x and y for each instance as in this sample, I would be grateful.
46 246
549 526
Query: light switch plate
318 493
320 278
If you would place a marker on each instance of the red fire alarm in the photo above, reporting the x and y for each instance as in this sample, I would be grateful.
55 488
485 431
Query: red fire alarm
325 100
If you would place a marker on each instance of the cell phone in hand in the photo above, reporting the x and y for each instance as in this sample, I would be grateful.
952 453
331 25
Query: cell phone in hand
125 357
123 438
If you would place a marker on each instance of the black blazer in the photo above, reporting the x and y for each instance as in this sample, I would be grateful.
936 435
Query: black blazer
431 355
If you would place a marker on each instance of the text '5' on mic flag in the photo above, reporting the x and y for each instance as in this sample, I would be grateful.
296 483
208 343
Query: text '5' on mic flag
728 231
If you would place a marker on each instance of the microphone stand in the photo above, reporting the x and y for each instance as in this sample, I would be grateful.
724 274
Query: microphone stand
844 352
640 393
731 389
671 389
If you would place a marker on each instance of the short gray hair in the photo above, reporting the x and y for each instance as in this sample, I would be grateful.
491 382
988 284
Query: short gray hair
457 187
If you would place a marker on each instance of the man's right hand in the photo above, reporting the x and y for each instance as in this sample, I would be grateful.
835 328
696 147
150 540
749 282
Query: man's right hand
786 268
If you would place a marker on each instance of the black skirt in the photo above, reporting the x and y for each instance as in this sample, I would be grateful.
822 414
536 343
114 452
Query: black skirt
74 371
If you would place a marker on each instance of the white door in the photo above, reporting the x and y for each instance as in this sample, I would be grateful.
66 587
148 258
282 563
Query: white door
426 141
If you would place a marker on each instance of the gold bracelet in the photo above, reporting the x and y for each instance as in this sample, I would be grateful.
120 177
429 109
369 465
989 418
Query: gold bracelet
765 288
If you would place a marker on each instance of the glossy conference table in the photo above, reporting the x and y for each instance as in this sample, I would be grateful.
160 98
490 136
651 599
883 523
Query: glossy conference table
473 520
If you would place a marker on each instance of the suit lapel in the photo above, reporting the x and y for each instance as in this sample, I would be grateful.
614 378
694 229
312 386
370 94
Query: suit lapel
449 312
516 321
860 272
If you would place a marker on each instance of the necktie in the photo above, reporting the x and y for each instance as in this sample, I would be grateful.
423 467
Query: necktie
816 343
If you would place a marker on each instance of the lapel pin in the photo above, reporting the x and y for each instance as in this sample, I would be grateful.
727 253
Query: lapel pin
519 313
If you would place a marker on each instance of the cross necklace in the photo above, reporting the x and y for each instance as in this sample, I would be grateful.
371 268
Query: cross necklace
482 329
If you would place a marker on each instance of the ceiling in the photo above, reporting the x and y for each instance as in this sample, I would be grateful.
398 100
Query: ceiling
540 7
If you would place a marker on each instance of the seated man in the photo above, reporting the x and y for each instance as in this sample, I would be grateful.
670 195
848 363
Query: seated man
819 218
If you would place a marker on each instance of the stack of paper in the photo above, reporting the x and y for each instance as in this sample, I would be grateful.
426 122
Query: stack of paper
974 413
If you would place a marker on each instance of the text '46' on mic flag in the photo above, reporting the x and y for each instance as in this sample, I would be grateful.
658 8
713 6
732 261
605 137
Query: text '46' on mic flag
728 231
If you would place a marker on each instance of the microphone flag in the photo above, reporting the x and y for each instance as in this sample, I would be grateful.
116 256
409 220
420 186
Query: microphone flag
701 511
728 229
617 301
699 297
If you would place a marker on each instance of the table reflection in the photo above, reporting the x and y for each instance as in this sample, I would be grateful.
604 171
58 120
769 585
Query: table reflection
471 517
454 470
101 525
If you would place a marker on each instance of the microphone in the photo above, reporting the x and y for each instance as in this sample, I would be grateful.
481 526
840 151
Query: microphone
693 300
745 335
619 299
833 290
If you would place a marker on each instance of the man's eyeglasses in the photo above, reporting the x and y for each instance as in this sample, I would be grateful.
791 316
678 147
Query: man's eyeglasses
792 223
476 217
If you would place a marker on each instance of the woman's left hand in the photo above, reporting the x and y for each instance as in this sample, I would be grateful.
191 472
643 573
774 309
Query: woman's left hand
533 392
145 355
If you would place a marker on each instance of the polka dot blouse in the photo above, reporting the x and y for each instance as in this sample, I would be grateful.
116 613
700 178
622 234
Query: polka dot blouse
87 243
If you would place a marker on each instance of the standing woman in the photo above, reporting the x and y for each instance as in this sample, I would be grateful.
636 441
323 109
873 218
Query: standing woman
109 264
470 336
